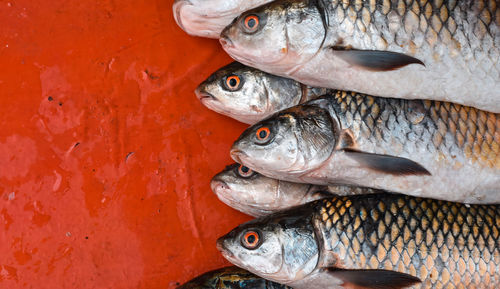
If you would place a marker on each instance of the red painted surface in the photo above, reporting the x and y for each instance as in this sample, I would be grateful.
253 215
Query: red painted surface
105 152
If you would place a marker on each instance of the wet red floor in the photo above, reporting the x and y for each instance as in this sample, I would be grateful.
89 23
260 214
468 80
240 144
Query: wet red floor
105 152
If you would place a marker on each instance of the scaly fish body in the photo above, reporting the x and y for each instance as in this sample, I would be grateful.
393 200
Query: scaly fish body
257 195
249 95
207 18
421 148
344 242
377 47
230 278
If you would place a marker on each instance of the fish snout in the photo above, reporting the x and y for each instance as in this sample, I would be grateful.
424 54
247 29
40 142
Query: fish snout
237 155
201 94
221 246
177 7
224 39
218 186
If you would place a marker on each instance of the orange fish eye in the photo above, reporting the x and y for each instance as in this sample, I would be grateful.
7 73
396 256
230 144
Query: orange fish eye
263 133
244 171
251 23
233 82
250 240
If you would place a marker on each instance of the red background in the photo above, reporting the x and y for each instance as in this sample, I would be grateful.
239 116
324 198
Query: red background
105 153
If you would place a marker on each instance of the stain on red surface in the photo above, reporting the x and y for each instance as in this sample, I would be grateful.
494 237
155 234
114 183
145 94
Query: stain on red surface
105 153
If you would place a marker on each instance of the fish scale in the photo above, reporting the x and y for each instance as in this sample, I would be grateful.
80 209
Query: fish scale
441 127
435 19
423 24
447 245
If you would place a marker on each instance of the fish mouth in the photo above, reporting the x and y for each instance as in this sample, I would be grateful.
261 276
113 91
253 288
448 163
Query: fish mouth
177 8
219 186
224 39
191 19
203 95
222 249
237 155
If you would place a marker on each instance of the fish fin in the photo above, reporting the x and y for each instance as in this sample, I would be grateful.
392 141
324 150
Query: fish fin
387 164
325 20
376 60
373 279
346 140
334 278
322 194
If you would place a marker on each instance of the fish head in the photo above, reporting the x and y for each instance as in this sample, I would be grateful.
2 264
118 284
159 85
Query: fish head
281 33
280 247
293 141
207 18
257 195
247 94
246 190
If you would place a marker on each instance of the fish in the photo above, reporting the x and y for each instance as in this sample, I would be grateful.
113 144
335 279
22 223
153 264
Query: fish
207 18
421 148
257 195
372 241
230 278
439 50
249 95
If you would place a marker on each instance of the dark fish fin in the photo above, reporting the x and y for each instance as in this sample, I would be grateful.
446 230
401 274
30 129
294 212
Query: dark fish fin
346 140
322 194
376 60
388 164
373 279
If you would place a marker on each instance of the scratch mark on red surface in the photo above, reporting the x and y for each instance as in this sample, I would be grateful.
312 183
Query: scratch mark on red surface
183 192
71 148
126 47
57 183
128 155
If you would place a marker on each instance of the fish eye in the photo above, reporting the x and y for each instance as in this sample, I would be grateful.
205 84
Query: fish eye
233 82
262 134
251 239
251 23
244 172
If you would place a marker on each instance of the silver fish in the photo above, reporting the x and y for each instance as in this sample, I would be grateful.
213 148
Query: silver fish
377 47
372 241
421 148
249 95
207 18
254 194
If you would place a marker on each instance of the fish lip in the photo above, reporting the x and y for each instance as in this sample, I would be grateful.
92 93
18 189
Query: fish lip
218 186
237 155
177 7
203 95
220 246
224 39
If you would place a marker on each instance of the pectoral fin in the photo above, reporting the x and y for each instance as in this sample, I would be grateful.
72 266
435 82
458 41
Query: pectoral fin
376 60
388 164
373 279
333 278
